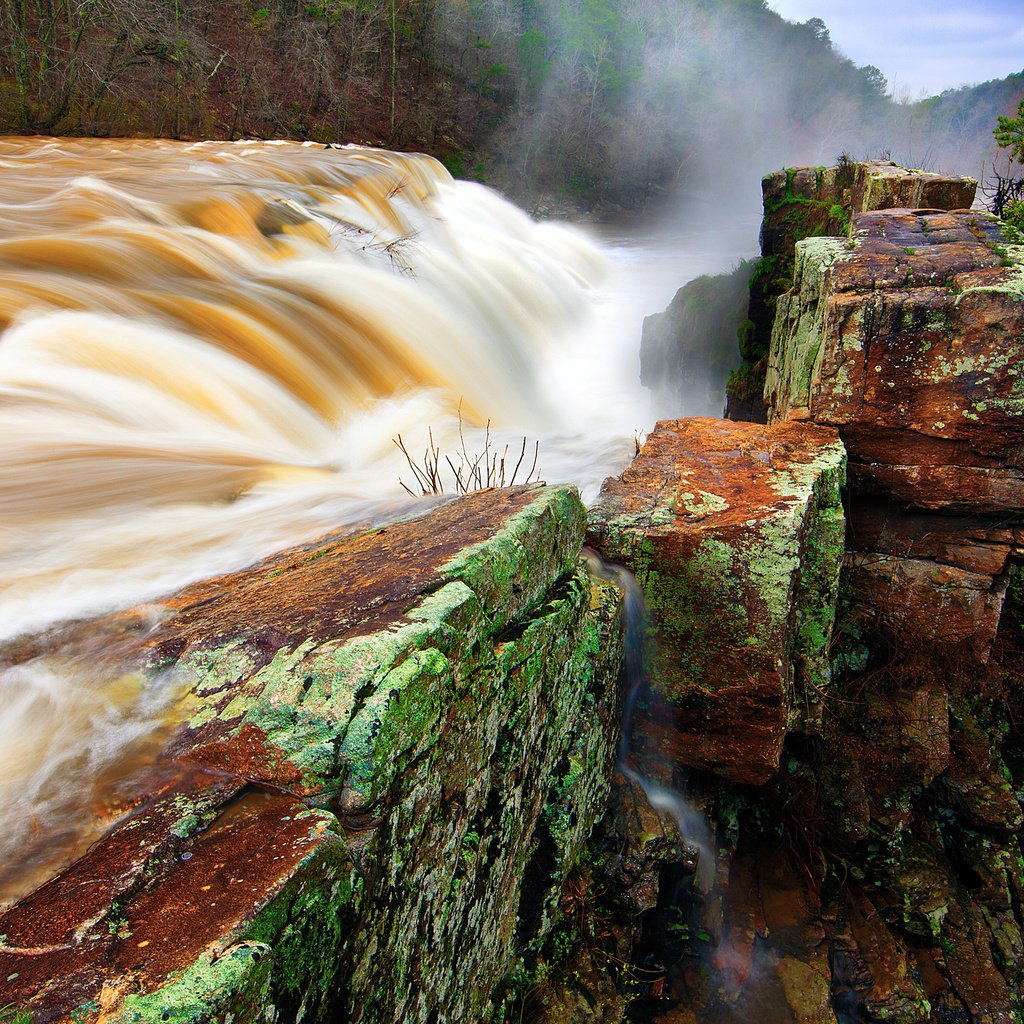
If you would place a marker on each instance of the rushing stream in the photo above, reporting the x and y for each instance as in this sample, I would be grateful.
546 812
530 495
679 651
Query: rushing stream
207 352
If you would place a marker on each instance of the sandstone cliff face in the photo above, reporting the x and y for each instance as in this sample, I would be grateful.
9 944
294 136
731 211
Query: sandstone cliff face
735 533
867 857
907 339
398 744
811 202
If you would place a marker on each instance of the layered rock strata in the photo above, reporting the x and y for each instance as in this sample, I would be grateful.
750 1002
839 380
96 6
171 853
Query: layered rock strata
907 339
874 870
810 202
878 874
397 744
735 533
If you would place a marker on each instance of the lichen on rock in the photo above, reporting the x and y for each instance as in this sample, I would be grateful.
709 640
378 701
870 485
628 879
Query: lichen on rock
735 534
444 691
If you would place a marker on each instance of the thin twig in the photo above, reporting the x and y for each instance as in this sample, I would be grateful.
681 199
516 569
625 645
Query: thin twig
487 469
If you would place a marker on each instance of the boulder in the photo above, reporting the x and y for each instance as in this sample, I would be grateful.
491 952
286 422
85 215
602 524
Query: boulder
645 842
397 745
907 338
806 202
735 534
872 966
884 185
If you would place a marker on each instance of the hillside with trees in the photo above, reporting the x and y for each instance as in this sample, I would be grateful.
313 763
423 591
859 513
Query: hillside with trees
614 101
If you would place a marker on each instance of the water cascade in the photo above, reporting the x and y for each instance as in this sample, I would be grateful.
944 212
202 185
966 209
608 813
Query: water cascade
668 802
206 353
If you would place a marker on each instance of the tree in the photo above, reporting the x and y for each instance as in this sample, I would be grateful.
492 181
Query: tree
1006 192
820 30
1010 134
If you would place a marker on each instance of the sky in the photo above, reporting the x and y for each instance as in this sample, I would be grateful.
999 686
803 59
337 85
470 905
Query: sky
922 46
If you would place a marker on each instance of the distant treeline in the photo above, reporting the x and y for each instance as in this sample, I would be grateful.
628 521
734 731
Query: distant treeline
610 100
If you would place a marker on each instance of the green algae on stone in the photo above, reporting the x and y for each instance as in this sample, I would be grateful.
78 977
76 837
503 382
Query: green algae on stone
285 955
233 985
529 761
310 695
740 583
480 729
508 572
795 356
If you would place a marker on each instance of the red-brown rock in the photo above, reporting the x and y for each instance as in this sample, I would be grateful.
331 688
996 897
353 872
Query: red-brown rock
734 532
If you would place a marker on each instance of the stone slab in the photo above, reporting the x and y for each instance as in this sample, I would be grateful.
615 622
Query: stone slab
396 745
912 331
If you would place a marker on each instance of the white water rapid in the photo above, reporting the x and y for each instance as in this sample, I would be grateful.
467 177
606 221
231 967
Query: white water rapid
206 351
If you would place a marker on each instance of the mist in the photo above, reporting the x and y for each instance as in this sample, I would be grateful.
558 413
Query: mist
602 107
621 106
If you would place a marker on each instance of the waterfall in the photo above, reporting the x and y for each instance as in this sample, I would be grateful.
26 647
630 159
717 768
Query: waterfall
668 802
206 351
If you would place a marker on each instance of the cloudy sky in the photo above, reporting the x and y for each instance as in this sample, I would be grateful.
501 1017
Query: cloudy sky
925 45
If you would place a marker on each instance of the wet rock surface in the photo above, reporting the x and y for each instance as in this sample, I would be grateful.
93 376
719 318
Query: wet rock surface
812 202
895 825
735 534
907 339
909 328
397 745
873 870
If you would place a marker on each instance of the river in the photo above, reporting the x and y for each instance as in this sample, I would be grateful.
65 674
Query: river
209 352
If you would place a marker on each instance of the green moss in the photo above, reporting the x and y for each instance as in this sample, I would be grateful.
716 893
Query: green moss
234 982
810 216
510 570
746 383
798 333
12 1014
307 923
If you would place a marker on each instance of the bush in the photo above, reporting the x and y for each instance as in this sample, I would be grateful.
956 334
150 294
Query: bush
1014 214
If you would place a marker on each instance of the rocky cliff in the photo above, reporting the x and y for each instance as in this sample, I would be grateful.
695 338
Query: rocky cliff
390 794
721 324
862 775
813 202
396 745
688 351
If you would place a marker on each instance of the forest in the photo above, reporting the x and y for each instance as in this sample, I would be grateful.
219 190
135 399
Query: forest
610 103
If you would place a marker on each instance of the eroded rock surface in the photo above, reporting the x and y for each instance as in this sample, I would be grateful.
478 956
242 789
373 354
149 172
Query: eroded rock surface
812 202
907 339
735 534
896 826
872 869
397 744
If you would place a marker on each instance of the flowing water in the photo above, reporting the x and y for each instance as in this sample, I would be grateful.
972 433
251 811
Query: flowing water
692 825
206 353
